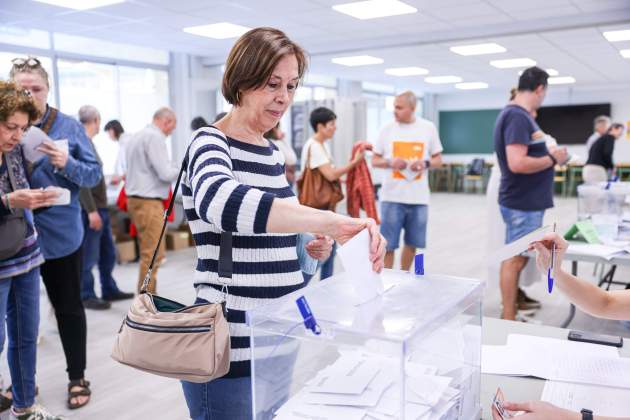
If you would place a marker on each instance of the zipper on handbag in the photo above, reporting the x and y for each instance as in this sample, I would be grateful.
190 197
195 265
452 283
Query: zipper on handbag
161 329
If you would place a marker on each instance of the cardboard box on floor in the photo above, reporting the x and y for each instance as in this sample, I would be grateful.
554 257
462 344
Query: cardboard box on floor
176 239
125 249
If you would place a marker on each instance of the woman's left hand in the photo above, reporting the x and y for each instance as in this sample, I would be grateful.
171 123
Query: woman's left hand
320 247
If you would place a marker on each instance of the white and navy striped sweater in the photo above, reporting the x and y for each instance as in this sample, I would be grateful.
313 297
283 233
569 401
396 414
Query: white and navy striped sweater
229 185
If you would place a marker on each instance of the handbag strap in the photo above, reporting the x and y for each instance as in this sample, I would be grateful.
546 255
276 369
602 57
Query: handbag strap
50 120
225 247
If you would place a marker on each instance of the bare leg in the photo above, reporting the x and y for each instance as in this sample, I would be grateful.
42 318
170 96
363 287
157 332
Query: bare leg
389 259
408 253
510 272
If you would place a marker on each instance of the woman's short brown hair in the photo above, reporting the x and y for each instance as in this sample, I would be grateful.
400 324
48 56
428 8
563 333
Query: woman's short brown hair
253 59
15 99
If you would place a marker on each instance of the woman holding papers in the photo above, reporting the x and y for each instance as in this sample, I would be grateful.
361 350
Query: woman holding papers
235 182
20 256
588 297
68 162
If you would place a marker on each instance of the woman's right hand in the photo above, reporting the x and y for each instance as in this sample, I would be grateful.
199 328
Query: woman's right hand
31 199
543 251
358 157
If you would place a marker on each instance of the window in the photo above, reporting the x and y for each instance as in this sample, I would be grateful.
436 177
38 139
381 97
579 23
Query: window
129 94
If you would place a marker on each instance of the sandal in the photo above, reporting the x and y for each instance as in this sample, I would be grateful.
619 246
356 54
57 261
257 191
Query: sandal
6 401
74 395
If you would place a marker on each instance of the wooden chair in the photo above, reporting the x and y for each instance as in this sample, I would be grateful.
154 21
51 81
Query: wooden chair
560 177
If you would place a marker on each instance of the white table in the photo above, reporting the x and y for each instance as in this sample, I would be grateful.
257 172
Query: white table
495 332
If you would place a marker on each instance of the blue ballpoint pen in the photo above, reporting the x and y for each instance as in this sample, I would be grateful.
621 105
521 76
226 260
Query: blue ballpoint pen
550 269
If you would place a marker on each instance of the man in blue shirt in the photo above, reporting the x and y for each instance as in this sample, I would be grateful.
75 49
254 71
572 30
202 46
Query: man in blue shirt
527 169
60 228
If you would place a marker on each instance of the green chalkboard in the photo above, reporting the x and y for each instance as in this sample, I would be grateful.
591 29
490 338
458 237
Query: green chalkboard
468 131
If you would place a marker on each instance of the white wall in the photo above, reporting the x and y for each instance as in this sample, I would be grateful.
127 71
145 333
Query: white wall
617 95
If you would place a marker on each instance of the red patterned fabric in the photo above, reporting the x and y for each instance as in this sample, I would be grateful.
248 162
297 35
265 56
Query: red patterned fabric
360 190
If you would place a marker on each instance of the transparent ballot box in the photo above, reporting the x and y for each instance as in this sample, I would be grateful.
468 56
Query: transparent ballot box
412 352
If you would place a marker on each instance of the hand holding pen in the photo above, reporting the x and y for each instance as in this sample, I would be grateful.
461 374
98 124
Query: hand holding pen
544 250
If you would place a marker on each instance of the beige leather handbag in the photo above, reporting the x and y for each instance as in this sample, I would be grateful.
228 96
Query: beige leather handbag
167 338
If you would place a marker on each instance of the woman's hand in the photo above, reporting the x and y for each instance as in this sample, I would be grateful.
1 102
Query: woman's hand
95 221
345 228
320 247
543 251
58 158
358 157
539 410
31 199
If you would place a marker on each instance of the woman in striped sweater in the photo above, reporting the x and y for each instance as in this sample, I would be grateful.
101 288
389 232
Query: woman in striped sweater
235 182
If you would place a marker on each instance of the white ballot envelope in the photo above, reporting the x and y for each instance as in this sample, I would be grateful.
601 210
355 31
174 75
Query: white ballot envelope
62 145
355 256
520 245
31 140
64 195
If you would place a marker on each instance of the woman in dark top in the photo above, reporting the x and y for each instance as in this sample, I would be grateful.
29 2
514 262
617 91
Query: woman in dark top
600 157
602 150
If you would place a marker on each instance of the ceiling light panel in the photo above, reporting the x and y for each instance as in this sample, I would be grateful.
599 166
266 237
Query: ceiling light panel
222 30
616 36
372 9
80 4
562 80
478 49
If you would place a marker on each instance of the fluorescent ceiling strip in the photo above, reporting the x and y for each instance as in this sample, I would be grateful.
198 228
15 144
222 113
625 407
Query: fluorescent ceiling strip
478 49
222 30
372 9
80 4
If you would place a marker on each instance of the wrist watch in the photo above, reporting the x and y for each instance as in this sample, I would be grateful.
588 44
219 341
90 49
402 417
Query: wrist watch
587 414
427 164
553 159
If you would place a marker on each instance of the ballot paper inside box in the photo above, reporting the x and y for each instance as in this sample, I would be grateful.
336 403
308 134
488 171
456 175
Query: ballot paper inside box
412 353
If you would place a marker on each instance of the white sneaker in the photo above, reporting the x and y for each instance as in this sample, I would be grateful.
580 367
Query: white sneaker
37 412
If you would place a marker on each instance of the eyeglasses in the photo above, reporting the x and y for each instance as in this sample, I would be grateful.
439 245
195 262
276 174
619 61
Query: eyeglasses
30 62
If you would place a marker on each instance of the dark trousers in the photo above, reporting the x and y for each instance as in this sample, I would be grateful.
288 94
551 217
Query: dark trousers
98 248
62 278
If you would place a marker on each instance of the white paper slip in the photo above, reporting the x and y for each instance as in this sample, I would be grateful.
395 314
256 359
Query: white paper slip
429 389
64 195
519 246
297 410
62 145
605 401
355 256
368 398
419 370
31 140
346 376
504 360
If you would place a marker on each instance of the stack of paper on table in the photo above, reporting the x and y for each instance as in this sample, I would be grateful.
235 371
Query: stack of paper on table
357 386
555 359
603 400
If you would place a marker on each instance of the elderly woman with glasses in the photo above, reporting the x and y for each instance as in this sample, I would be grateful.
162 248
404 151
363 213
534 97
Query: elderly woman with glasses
20 256
60 228
235 181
